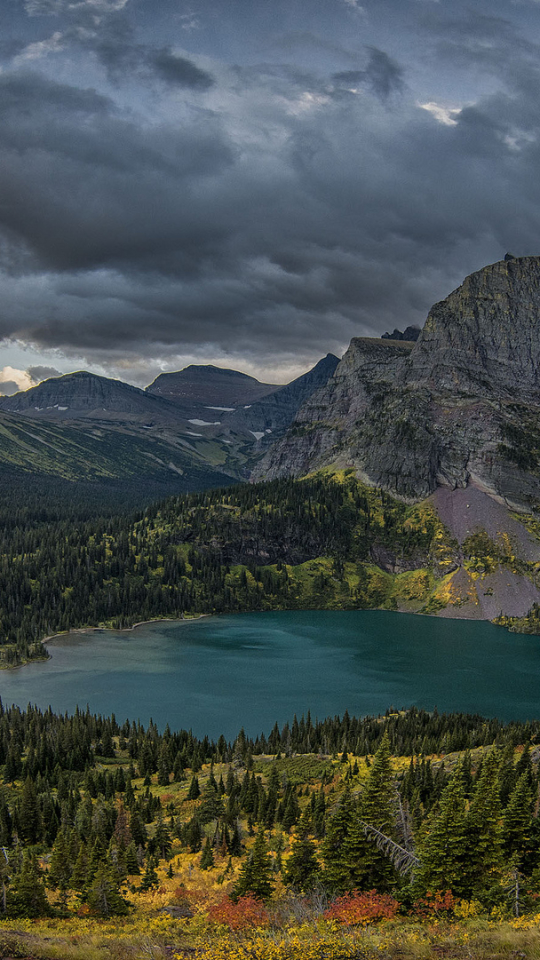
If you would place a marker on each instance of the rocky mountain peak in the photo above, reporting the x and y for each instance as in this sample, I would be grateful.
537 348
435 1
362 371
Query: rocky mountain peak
485 336
460 406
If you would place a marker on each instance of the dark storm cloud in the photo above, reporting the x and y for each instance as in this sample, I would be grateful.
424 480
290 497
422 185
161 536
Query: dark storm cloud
8 388
178 71
382 74
37 374
83 187
260 215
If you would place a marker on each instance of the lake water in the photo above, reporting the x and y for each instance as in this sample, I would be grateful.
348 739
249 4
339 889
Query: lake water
217 674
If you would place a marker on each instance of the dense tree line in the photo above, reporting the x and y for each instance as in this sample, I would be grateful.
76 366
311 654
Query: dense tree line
68 796
219 551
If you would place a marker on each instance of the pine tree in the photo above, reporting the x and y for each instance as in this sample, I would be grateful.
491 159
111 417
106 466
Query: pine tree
30 822
443 849
483 825
194 790
104 894
235 845
150 877
517 830
256 872
26 896
79 876
60 866
162 839
207 857
132 862
336 874
367 867
302 866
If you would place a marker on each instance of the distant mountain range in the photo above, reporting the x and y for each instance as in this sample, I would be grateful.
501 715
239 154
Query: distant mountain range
199 427
449 419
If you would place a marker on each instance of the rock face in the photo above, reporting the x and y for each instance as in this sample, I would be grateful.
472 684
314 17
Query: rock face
459 406
270 416
410 333
86 395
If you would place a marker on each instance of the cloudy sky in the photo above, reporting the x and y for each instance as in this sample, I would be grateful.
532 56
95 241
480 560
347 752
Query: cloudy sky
253 182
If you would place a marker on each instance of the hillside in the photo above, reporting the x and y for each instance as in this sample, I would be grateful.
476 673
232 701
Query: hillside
404 835
325 542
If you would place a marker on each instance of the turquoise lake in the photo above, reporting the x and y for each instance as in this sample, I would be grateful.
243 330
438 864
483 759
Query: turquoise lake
218 674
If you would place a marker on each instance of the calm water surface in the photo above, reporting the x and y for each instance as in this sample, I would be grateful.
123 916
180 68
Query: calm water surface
220 673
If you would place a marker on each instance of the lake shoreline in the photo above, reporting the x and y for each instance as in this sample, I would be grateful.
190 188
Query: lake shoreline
79 631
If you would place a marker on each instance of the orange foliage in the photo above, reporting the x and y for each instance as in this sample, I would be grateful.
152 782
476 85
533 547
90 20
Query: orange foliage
361 908
435 904
247 912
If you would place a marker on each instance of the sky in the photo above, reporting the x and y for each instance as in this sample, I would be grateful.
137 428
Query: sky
251 183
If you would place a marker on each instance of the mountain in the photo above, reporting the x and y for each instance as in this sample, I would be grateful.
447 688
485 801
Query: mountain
453 419
210 387
268 418
459 406
85 395
188 430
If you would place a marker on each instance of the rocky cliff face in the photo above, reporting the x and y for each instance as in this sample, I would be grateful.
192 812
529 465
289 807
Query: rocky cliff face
460 406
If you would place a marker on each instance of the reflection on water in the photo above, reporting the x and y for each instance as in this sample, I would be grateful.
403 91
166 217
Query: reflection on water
220 673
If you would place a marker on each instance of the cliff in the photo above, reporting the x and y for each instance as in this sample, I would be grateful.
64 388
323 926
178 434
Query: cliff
459 406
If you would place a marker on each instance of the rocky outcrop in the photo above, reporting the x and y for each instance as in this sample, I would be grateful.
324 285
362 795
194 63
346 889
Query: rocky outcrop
410 333
460 406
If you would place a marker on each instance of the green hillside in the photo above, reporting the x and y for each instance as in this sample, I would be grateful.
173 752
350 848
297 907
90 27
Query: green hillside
326 541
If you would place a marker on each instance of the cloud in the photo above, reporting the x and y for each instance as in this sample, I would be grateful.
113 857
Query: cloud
39 373
12 380
35 51
8 388
178 70
382 74
207 208
445 115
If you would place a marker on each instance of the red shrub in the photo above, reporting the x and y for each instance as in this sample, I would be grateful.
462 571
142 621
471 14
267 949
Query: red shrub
354 908
247 912
437 904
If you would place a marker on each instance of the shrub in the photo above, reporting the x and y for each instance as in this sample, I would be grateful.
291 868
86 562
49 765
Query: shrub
362 908
246 912
440 903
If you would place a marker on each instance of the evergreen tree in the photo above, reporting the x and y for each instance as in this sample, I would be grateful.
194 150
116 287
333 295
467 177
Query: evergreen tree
518 836
194 790
132 862
60 866
336 874
302 866
256 872
483 825
150 878
235 845
30 822
26 895
443 849
104 894
207 857
367 867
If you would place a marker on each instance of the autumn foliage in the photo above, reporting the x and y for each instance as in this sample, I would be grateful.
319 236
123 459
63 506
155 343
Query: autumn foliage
246 912
440 903
362 908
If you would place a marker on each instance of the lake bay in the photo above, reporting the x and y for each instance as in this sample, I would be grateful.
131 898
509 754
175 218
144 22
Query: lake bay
217 674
